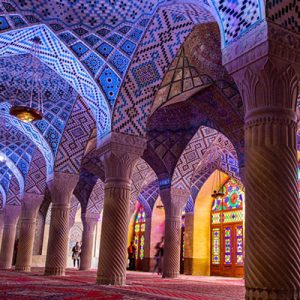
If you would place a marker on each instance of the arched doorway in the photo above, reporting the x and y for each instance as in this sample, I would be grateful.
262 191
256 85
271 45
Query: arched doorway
227 236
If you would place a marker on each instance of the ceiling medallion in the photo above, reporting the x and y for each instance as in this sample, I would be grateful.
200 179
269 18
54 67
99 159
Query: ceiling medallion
28 113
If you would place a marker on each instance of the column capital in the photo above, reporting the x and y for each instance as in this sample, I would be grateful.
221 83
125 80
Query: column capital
264 40
62 186
90 218
174 200
30 205
119 153
11 214
265 65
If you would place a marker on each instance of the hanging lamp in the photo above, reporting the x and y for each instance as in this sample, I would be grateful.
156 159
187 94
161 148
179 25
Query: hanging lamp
27 113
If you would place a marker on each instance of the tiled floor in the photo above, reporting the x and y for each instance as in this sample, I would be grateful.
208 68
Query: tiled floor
139 285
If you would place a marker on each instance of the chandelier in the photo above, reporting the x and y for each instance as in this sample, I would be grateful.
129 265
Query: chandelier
32 109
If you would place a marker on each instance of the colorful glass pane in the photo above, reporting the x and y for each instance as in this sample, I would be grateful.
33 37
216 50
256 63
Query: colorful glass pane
217 204
139 228
216 218
228 245
239 245
232 216
216 246
233 198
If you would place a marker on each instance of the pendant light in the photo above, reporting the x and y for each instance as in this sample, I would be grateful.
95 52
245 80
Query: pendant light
27 113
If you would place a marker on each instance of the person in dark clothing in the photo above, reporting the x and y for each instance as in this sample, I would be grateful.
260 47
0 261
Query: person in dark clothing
76 254
131 256
158 256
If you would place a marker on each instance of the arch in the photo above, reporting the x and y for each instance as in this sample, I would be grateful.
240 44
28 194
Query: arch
75 138
58 57
34 135
142 81
36 177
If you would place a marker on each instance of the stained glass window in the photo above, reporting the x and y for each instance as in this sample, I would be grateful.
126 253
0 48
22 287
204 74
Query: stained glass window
139 233
227 230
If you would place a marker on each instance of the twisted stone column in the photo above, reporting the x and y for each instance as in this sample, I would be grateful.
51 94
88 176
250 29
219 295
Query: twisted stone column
89 222
30 206
119 156
61 189
173 200
11 217
1 225
272 222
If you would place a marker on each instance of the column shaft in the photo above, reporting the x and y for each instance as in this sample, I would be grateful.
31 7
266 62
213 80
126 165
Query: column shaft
86 255
113 246
30 206
61 191
58 240
171 264
11 217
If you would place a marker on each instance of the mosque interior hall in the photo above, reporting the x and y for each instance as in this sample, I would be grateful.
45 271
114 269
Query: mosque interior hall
150 149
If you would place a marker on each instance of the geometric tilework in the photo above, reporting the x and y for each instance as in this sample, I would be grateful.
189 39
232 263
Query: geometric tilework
2 197
32 133
36 177
181 80
148 196
157 50
237 17
55 55
84 189
13 195
74 139
74 206
58 96
191 157
284 13
96 200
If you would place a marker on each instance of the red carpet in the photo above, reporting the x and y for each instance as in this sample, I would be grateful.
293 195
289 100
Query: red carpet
81 285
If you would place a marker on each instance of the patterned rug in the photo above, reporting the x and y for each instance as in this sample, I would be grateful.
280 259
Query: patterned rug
139 285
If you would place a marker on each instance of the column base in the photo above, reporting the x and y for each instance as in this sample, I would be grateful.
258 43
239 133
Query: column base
170 275
84 268
5 267
118 280
271 294
54 272
23 268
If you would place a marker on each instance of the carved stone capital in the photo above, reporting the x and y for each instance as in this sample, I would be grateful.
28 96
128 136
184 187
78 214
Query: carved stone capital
265 39
119 153
269 89
62 186
174 200
89 220
11 214
30 205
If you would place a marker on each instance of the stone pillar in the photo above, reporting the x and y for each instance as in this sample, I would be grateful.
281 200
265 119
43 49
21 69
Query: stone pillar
267 78
11 217
30 206
147 244
173 200
61 189
89 222
119 155
1 225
